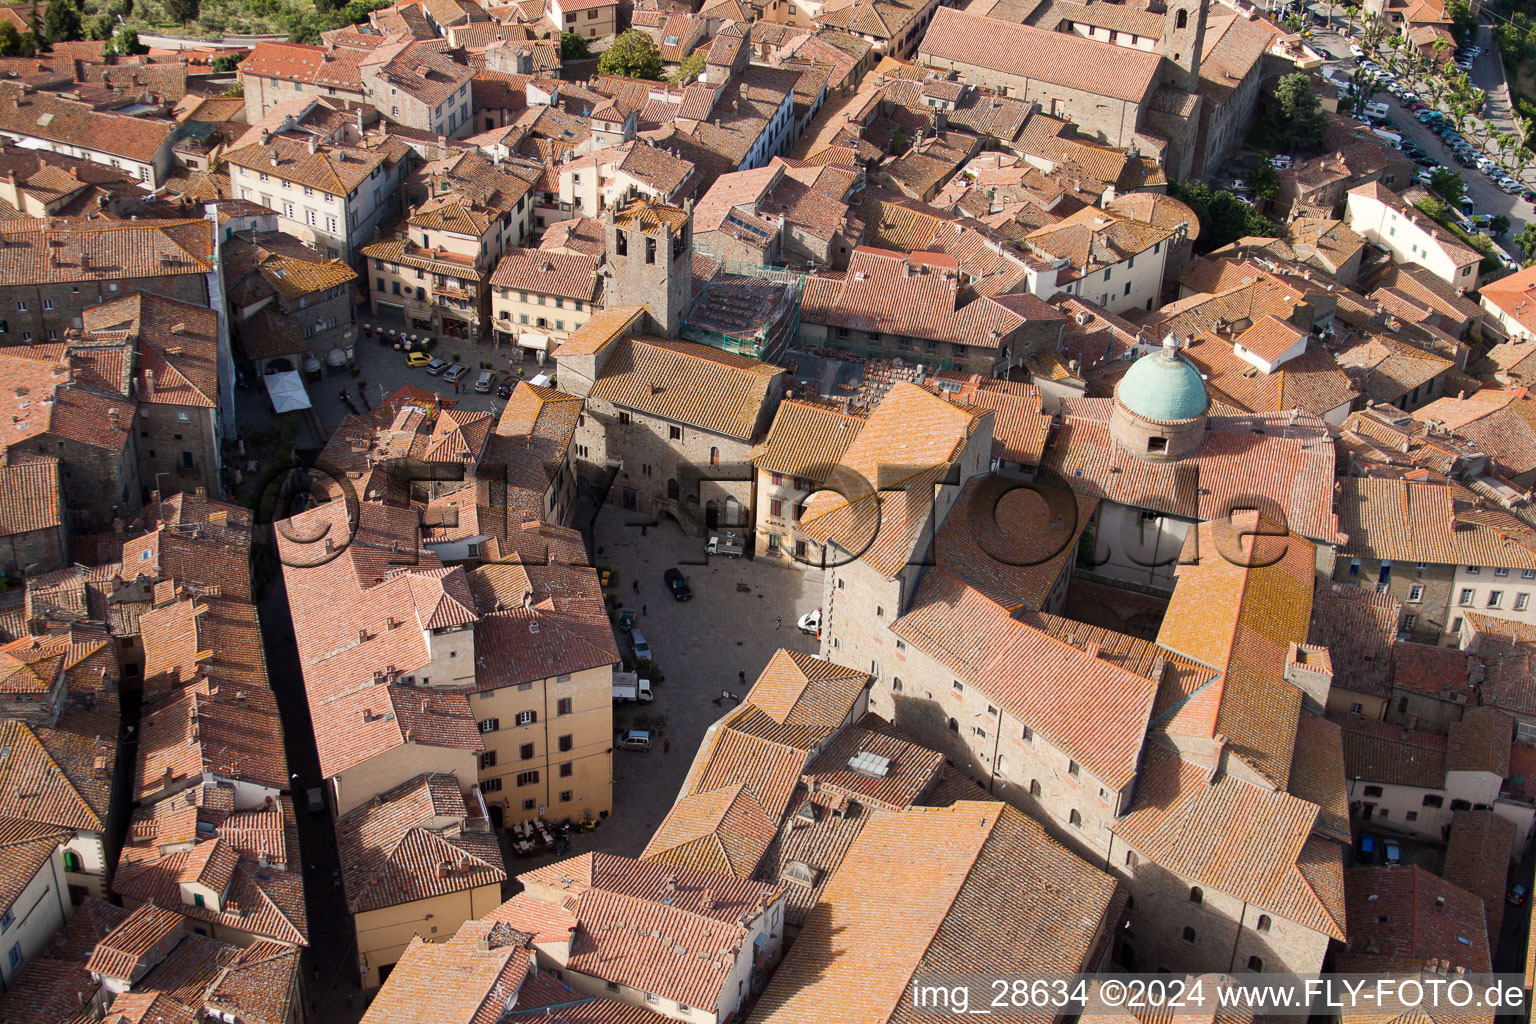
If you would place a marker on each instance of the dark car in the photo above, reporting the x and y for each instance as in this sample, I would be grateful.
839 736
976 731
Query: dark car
679 586
504 390
1529 195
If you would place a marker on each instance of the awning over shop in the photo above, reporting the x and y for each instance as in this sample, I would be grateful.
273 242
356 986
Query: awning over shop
287 391
539 342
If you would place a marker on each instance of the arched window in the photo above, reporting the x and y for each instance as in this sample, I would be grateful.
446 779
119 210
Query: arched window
1182 21
673 490
954 726
896 685
1189 935
714 456
1034 787
1263 924
1196 895
1075 819
1255 964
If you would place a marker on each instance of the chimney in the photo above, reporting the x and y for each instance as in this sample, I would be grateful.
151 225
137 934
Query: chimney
311 143
114 416
149 382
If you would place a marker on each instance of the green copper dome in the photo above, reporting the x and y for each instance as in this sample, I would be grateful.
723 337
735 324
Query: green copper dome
1161 386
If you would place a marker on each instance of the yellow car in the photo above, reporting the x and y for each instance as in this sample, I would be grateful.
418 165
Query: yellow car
417 359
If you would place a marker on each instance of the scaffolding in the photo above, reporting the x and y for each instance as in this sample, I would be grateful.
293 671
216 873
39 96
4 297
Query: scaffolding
748 310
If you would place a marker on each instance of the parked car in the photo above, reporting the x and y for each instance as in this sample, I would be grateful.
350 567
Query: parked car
1280 162
810 623
1365 848
456 373
642 645
678 585
436 366
1394 853
1425 115
1427 161
504 390
1355 50
1485 164
1424 176
1511 186
634 739
485 382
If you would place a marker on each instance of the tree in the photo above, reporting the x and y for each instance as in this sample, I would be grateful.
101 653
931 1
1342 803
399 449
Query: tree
1499 225
125 43
1223 217
63 22
1526 240
1264 180
1462 19
632 55
572 46
227 63
1302 121
14 43
1448 185
182 11
691 67
1362 86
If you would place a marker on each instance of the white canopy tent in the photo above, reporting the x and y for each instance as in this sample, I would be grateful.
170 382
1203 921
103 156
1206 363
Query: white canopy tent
287 391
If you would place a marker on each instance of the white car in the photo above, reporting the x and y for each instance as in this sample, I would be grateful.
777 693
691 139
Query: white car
1280 162
1485 164
1355 51
810 623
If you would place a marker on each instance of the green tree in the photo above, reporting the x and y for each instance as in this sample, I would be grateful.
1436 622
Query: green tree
691 67
572 46
1447 184
1362 86
64 21
1264 180
1302 120
182 11
125 43
14 43
632 55
100 26
1499 225
1462 19
227 63
1223 217
1526 240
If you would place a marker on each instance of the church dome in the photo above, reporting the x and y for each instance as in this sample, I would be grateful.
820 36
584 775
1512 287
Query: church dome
1160 386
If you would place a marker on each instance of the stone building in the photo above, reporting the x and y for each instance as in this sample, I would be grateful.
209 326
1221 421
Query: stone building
287 300
669 425
53 272
276 73
649 260
34 528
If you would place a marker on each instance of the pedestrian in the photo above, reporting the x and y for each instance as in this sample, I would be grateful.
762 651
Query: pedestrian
778 620
636 585
642 611
742 676
666 746
642 529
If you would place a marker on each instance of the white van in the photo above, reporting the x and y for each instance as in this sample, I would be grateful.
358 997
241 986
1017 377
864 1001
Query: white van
1377 110
1391 138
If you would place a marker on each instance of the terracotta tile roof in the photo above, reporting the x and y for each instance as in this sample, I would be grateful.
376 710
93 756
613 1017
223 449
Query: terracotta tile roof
456 982
175 345
1515 296
1402 917
548 273
1358 626
1244 840
55 778
1287 457
603 328
1386 753
30 497
566 629
1019 426
1264 608
724 830
124 953
38 252
1311 381
693 384
1039 54
863 943
1385 369
807 438
331 168
282 265
397 849
42 115
661 928
1436 671
1317 774
912 435
1480 742
831 781
55 985
191 736
1477 859
932 306
1024 671
1424 522
313 65
984 539
1505 430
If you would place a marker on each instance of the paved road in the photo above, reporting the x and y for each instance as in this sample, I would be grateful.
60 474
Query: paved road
1485 195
